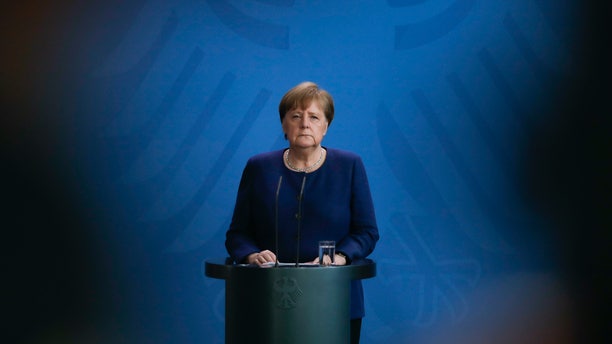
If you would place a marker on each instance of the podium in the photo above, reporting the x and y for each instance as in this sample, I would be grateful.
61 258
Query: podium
287 304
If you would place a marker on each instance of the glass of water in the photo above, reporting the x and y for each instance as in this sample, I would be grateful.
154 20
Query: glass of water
327 252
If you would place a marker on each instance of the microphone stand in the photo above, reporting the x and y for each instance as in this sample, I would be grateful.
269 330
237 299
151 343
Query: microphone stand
280 180
299 224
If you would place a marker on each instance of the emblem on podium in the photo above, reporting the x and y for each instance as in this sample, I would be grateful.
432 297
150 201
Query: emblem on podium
287 291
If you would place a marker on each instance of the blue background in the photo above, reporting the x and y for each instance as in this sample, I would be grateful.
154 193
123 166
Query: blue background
128 126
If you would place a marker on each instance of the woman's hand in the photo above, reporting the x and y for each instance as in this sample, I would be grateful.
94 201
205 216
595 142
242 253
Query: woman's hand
262 257
338 260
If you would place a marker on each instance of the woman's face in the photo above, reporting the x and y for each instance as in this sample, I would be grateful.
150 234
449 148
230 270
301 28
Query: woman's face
305 127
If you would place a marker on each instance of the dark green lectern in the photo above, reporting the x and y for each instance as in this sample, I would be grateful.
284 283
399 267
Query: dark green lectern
287 304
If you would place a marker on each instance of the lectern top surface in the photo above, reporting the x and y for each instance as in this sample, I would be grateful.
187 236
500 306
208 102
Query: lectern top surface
223 268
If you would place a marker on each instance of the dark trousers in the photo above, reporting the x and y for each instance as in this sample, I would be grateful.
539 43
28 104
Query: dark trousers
355 330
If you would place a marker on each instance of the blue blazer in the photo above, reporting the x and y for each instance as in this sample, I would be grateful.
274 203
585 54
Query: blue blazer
336 205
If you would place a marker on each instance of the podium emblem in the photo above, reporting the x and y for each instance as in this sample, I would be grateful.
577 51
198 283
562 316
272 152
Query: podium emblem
287 291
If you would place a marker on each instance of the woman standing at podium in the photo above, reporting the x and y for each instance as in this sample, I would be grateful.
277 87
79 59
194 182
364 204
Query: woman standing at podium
288 200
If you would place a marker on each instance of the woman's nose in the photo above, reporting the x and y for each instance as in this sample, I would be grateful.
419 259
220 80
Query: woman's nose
304 122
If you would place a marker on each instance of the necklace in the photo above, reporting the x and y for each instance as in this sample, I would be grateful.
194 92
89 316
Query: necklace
305 169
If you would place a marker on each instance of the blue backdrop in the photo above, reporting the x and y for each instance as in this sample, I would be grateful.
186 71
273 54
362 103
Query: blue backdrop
157 105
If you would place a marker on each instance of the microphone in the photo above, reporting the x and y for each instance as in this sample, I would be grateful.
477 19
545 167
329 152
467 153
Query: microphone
280 181
299 219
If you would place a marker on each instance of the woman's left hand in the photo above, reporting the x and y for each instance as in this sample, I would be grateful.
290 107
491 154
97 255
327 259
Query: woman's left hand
338 260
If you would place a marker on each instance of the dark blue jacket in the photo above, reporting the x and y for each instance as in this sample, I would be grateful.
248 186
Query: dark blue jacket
336 205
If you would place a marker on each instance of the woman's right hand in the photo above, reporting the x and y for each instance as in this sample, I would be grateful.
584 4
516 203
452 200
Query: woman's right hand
262 257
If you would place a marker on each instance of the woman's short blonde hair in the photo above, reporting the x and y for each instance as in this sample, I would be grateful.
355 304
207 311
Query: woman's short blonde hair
302 95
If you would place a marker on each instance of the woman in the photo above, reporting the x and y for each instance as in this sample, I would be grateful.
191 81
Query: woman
335 205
